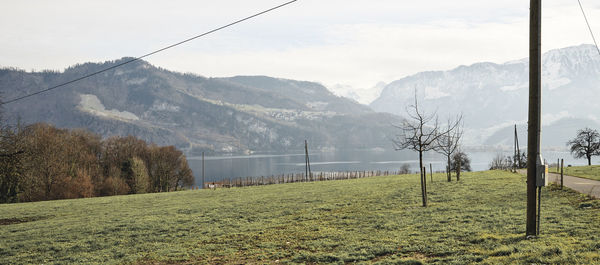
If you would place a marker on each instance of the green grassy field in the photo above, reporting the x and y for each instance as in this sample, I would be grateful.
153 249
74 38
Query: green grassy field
373 220
588 172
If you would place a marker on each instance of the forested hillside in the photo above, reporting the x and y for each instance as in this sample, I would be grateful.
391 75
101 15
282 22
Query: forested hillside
195 113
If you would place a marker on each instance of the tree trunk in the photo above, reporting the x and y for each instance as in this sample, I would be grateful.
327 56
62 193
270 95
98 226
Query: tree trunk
589 160
458 170
449 170
423 191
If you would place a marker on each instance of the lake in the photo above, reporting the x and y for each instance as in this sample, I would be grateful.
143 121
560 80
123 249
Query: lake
234 166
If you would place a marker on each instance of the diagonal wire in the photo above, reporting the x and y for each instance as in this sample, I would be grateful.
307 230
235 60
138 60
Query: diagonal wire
588 25
146 55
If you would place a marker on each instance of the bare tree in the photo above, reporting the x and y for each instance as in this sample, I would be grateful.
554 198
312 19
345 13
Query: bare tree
419 133
586 144
500 162
449 142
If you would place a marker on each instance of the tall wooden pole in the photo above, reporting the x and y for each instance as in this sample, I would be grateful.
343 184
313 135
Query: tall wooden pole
305 158
518 150
515 165
307 162
535 110
203 185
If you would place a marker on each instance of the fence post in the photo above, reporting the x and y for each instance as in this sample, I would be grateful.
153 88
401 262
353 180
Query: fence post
431 172
562 161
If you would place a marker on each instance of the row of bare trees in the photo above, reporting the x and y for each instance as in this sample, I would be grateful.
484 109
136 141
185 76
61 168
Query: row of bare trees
422 132
41 162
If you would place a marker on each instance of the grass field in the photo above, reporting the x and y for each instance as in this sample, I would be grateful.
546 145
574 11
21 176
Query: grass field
588 172
373 220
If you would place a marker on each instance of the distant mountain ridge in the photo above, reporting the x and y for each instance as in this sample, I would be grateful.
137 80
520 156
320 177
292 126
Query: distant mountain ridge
494 96
195 113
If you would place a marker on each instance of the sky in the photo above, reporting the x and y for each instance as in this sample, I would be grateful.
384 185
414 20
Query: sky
351 44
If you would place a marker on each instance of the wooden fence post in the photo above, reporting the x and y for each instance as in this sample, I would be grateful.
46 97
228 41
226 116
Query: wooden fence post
562 161
431 172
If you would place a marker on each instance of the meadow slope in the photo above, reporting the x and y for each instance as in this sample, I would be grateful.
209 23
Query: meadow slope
589 172
371 220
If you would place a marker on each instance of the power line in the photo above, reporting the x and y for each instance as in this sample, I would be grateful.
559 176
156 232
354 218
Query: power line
146 55
588 25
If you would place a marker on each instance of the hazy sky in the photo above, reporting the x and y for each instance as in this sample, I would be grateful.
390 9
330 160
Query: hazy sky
351 42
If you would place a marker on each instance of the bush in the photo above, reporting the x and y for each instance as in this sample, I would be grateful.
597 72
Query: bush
465 162
404 169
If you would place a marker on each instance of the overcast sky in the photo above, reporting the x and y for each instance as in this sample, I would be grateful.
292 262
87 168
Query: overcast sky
350 42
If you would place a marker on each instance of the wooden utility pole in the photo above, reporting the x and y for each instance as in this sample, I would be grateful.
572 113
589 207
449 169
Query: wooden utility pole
517 150
307 161
535 110
203 185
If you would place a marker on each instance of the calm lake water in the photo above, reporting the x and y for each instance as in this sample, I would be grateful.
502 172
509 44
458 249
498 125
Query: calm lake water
224 167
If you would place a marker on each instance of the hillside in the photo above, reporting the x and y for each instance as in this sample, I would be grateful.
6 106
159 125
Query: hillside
556 135
492 96
195 113
372 220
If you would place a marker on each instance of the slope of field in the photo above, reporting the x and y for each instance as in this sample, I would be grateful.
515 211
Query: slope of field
587 172
373 220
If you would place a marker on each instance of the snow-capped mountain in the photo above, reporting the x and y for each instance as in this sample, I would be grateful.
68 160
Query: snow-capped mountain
493 96
360 95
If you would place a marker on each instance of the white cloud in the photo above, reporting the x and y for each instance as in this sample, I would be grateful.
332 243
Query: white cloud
550 118
354 42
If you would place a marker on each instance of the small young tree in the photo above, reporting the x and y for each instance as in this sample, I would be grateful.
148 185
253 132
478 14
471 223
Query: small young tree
460 162
140 176
586 144
420 133
449 142
405 169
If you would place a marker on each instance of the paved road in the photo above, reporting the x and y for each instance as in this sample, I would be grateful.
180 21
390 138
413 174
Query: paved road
586 186
582 185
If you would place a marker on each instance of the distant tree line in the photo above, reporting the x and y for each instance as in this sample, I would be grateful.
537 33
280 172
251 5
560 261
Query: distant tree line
502 162
41 162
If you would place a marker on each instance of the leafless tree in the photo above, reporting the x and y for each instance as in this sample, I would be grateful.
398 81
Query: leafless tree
500 162
449 142
586 144
420 133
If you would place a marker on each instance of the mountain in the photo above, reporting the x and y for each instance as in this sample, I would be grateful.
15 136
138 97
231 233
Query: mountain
360 95
555 135
195 113
494 96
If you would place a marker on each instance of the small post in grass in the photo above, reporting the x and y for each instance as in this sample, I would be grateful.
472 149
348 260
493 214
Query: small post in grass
431 172
561 172
425 183
458 170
